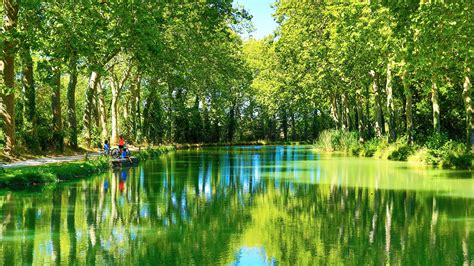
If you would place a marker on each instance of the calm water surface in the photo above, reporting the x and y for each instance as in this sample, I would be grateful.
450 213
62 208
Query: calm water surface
247 206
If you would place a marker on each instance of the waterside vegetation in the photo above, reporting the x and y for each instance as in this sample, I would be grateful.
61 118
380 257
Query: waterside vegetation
395 77
437 151
51 173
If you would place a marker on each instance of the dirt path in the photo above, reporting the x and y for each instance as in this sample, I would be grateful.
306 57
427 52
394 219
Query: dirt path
55 159
48 160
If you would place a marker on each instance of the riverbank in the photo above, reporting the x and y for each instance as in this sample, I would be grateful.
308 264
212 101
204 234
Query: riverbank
437 151
56 172
57 169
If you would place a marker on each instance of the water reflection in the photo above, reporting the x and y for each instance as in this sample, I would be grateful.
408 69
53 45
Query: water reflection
240 205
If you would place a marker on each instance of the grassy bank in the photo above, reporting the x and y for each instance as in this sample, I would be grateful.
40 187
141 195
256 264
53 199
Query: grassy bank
51 173
437 151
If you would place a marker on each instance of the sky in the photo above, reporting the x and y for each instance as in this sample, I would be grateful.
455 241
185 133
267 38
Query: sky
262 20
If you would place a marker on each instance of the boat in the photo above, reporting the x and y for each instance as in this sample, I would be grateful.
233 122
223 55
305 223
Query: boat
125 162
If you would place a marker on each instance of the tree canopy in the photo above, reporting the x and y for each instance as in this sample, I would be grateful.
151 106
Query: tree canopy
79 73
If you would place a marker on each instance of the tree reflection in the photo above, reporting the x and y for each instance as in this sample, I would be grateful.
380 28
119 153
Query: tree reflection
202 207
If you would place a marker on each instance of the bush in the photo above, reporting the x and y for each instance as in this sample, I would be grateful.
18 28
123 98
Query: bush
436 141
338 140
450 155
325 141
369 148
400 150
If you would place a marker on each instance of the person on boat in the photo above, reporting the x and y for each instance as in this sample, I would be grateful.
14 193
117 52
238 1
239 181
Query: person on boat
125 154
106 147
121 143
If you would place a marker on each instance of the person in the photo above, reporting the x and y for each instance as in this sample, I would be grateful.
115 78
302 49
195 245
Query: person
124 153
121 143
106 147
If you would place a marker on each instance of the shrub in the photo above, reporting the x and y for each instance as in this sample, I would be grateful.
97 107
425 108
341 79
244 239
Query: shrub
325 140
369 148
338 140
451 155
400 150
436 141
382 147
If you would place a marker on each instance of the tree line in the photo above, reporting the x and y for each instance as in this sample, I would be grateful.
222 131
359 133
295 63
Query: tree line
81 72
377 68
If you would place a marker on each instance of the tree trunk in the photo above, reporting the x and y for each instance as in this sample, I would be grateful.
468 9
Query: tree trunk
126 116
435 103
89 105
360 116
231 129
58 138
7 70
284 123
346 113
379 126
71 103
293 126
102 113
314 126
368 126
29 91
339 111
114 114
334 112
137 110
117 87
408 108
467 96
133 110
95 108
390 106
146 115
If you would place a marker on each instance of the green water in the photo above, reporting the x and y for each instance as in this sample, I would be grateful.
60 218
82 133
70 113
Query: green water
249 206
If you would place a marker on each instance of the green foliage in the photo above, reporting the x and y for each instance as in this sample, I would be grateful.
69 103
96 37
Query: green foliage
26 178
337 140
451 154
369 148
436 141
400 150
50 173
152 152
169 72
436 152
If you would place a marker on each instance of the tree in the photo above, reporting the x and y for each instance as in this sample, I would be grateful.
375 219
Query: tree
7 70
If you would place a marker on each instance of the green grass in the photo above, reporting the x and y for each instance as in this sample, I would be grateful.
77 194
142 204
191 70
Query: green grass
51 173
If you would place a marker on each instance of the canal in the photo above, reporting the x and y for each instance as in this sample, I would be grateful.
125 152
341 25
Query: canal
249 205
